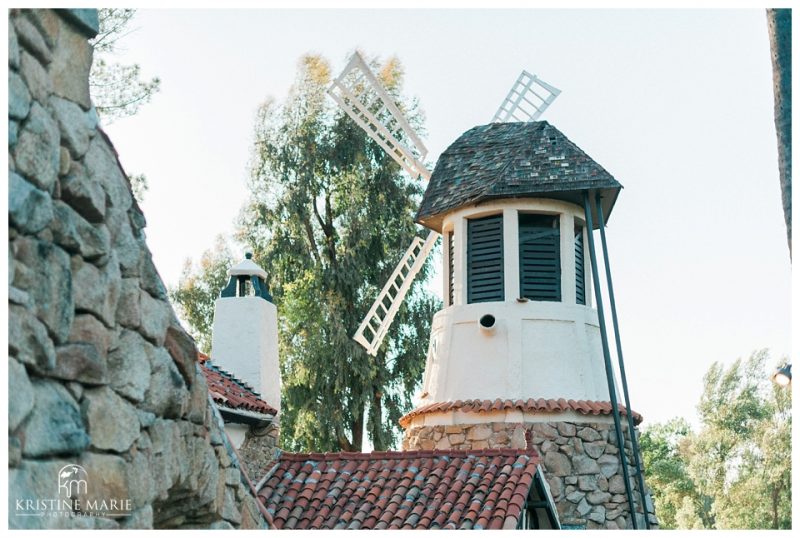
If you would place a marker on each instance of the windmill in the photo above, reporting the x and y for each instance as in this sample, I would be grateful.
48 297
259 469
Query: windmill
514 199
362 96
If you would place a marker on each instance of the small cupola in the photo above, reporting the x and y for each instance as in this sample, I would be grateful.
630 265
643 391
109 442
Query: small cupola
244 340
247 278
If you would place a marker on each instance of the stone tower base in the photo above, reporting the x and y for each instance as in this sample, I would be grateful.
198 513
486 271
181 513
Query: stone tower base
581 462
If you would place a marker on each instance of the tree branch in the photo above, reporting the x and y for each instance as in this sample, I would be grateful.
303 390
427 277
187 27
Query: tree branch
312 243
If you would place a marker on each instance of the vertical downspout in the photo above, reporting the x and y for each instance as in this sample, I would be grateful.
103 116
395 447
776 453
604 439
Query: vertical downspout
607 358
631 431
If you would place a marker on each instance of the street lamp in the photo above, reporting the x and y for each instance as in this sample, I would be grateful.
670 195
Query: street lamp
783 375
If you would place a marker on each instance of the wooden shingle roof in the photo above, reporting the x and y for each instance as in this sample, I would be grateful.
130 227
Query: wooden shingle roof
512 160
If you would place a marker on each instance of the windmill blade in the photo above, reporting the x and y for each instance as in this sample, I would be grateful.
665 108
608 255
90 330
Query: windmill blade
528 98
362 96
373 329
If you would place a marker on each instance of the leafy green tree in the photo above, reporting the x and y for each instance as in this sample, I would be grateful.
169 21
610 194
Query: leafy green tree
118 90
686 516
735 472
664 452
758 494
329 216
199 287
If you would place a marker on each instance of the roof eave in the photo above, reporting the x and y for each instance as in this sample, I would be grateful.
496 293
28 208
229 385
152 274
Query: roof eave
243 416
609 195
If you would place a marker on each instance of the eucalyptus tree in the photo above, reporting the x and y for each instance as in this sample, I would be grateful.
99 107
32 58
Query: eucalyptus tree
199 287
329 216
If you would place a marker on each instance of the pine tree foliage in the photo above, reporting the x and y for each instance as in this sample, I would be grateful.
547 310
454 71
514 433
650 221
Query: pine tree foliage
118 90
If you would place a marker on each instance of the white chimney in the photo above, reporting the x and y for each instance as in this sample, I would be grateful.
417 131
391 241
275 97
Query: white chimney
245 334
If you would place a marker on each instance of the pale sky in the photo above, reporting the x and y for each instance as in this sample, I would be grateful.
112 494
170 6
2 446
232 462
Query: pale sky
677 105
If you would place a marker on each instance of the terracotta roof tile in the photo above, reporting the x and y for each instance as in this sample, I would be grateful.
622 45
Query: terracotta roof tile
417 489
585 407
228 391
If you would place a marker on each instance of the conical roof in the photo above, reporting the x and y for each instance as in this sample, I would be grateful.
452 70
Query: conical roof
247 267
512 160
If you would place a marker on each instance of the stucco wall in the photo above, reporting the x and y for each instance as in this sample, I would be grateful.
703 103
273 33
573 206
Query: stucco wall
245 343
101 374
540 349
536 349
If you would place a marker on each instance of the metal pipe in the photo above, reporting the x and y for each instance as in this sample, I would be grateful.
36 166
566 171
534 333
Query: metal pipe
612 393
614 321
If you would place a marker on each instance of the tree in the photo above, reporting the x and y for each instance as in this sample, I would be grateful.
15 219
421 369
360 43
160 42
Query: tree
118 91
329 216
199 287
758 494
735 472
664 449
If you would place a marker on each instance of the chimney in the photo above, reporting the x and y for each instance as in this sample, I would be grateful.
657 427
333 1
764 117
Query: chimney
245 333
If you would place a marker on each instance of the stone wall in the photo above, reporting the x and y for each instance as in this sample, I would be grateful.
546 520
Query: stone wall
101 374
260 451
581 462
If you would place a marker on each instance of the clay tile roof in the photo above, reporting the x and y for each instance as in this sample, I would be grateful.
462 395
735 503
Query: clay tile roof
585 407
394 490
230 392
512 160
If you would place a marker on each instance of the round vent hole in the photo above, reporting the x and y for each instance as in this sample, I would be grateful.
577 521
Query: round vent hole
487 321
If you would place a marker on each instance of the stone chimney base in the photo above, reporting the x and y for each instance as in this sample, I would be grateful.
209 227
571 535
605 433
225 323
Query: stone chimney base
259 451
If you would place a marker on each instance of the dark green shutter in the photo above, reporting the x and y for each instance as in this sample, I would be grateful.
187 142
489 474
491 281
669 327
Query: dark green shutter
539 257
485 280
580 279
451 264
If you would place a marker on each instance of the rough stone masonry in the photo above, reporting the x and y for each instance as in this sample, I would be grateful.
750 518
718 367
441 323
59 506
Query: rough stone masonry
101 374
581 462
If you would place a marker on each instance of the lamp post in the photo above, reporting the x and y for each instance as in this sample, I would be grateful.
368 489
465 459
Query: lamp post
783 375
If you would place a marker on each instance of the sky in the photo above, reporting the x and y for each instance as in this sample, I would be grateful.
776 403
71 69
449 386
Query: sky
676 104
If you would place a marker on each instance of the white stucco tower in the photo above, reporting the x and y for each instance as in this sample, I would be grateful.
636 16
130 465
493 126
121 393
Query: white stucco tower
519 336
245 333
518 321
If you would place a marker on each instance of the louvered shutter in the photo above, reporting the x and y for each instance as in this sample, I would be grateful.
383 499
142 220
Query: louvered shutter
450 264
539 257
485 280
580 279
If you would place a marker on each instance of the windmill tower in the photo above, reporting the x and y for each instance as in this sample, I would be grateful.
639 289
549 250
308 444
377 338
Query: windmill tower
519 353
